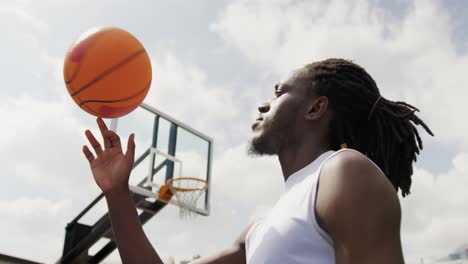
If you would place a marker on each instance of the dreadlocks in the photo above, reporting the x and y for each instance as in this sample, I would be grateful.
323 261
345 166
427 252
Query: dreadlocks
383 130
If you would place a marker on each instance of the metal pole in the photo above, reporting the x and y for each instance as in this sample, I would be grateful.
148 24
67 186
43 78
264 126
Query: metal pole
154 143
113 124
171 151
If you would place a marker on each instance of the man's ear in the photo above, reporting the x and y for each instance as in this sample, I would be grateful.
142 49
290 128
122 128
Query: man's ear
316 108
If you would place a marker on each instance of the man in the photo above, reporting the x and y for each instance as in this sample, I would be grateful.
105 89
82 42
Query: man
344 152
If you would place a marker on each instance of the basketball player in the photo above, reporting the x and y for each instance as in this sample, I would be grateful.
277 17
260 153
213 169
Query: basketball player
344 151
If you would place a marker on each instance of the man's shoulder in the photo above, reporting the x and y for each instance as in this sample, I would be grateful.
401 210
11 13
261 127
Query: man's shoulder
359 208
353 170
351 187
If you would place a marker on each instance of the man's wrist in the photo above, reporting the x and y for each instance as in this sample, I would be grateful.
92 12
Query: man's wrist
118 192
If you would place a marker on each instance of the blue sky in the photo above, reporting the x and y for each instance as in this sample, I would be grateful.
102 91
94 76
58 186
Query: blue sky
214 62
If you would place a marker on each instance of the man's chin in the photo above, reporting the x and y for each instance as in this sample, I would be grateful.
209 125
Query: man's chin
258 147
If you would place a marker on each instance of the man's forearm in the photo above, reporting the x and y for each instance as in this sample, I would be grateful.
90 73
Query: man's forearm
133 245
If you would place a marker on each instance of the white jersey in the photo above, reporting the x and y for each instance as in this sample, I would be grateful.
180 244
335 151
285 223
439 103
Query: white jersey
289 233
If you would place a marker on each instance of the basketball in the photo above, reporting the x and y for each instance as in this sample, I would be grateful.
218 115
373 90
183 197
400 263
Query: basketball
107 72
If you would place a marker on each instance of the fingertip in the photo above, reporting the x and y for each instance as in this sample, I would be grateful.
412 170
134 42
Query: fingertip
131 141
101 122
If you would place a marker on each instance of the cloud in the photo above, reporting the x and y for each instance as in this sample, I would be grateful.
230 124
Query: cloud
184 91
251 182
24 17
434 219
31 223
30 68
42 143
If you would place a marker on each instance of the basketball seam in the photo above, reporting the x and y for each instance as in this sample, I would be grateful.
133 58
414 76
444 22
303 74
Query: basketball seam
68 83
91 109
108 71
117 100
78 68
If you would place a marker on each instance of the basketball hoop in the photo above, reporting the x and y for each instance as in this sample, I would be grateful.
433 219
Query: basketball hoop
187 191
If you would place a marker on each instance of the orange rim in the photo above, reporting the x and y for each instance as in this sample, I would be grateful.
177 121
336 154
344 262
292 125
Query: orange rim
179 189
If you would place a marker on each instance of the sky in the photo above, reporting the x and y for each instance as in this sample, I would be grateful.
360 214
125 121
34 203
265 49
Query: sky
213 63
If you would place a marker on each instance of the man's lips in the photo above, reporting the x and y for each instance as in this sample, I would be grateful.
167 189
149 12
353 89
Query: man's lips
256 123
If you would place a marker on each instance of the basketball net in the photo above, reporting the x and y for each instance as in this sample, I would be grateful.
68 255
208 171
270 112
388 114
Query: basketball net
187 191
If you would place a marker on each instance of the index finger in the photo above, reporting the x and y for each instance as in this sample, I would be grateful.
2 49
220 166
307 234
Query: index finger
103 128
102 125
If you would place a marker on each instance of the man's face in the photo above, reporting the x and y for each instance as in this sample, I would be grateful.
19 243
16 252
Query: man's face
279 120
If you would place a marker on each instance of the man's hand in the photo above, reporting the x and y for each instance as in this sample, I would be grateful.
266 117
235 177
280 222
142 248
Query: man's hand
111 168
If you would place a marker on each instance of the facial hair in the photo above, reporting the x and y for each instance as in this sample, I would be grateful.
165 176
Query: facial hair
274 135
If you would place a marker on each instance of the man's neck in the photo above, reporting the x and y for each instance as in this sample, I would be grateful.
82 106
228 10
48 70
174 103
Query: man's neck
296 158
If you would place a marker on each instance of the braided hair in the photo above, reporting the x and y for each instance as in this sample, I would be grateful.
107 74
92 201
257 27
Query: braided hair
383 130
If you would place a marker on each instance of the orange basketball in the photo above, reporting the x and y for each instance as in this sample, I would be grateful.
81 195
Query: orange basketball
107 72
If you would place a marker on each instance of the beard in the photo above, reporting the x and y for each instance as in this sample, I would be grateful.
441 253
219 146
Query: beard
260 146
272 137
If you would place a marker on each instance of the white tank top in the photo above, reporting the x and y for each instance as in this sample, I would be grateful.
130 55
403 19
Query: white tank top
289 232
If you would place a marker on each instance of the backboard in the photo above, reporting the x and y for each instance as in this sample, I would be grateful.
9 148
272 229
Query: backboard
165 148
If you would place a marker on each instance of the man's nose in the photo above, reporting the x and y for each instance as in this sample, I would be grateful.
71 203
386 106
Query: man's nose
263 108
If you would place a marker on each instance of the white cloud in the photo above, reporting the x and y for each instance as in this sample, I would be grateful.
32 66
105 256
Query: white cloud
26 61
43 143
184 91
25 17
31 223
253 182
434 215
